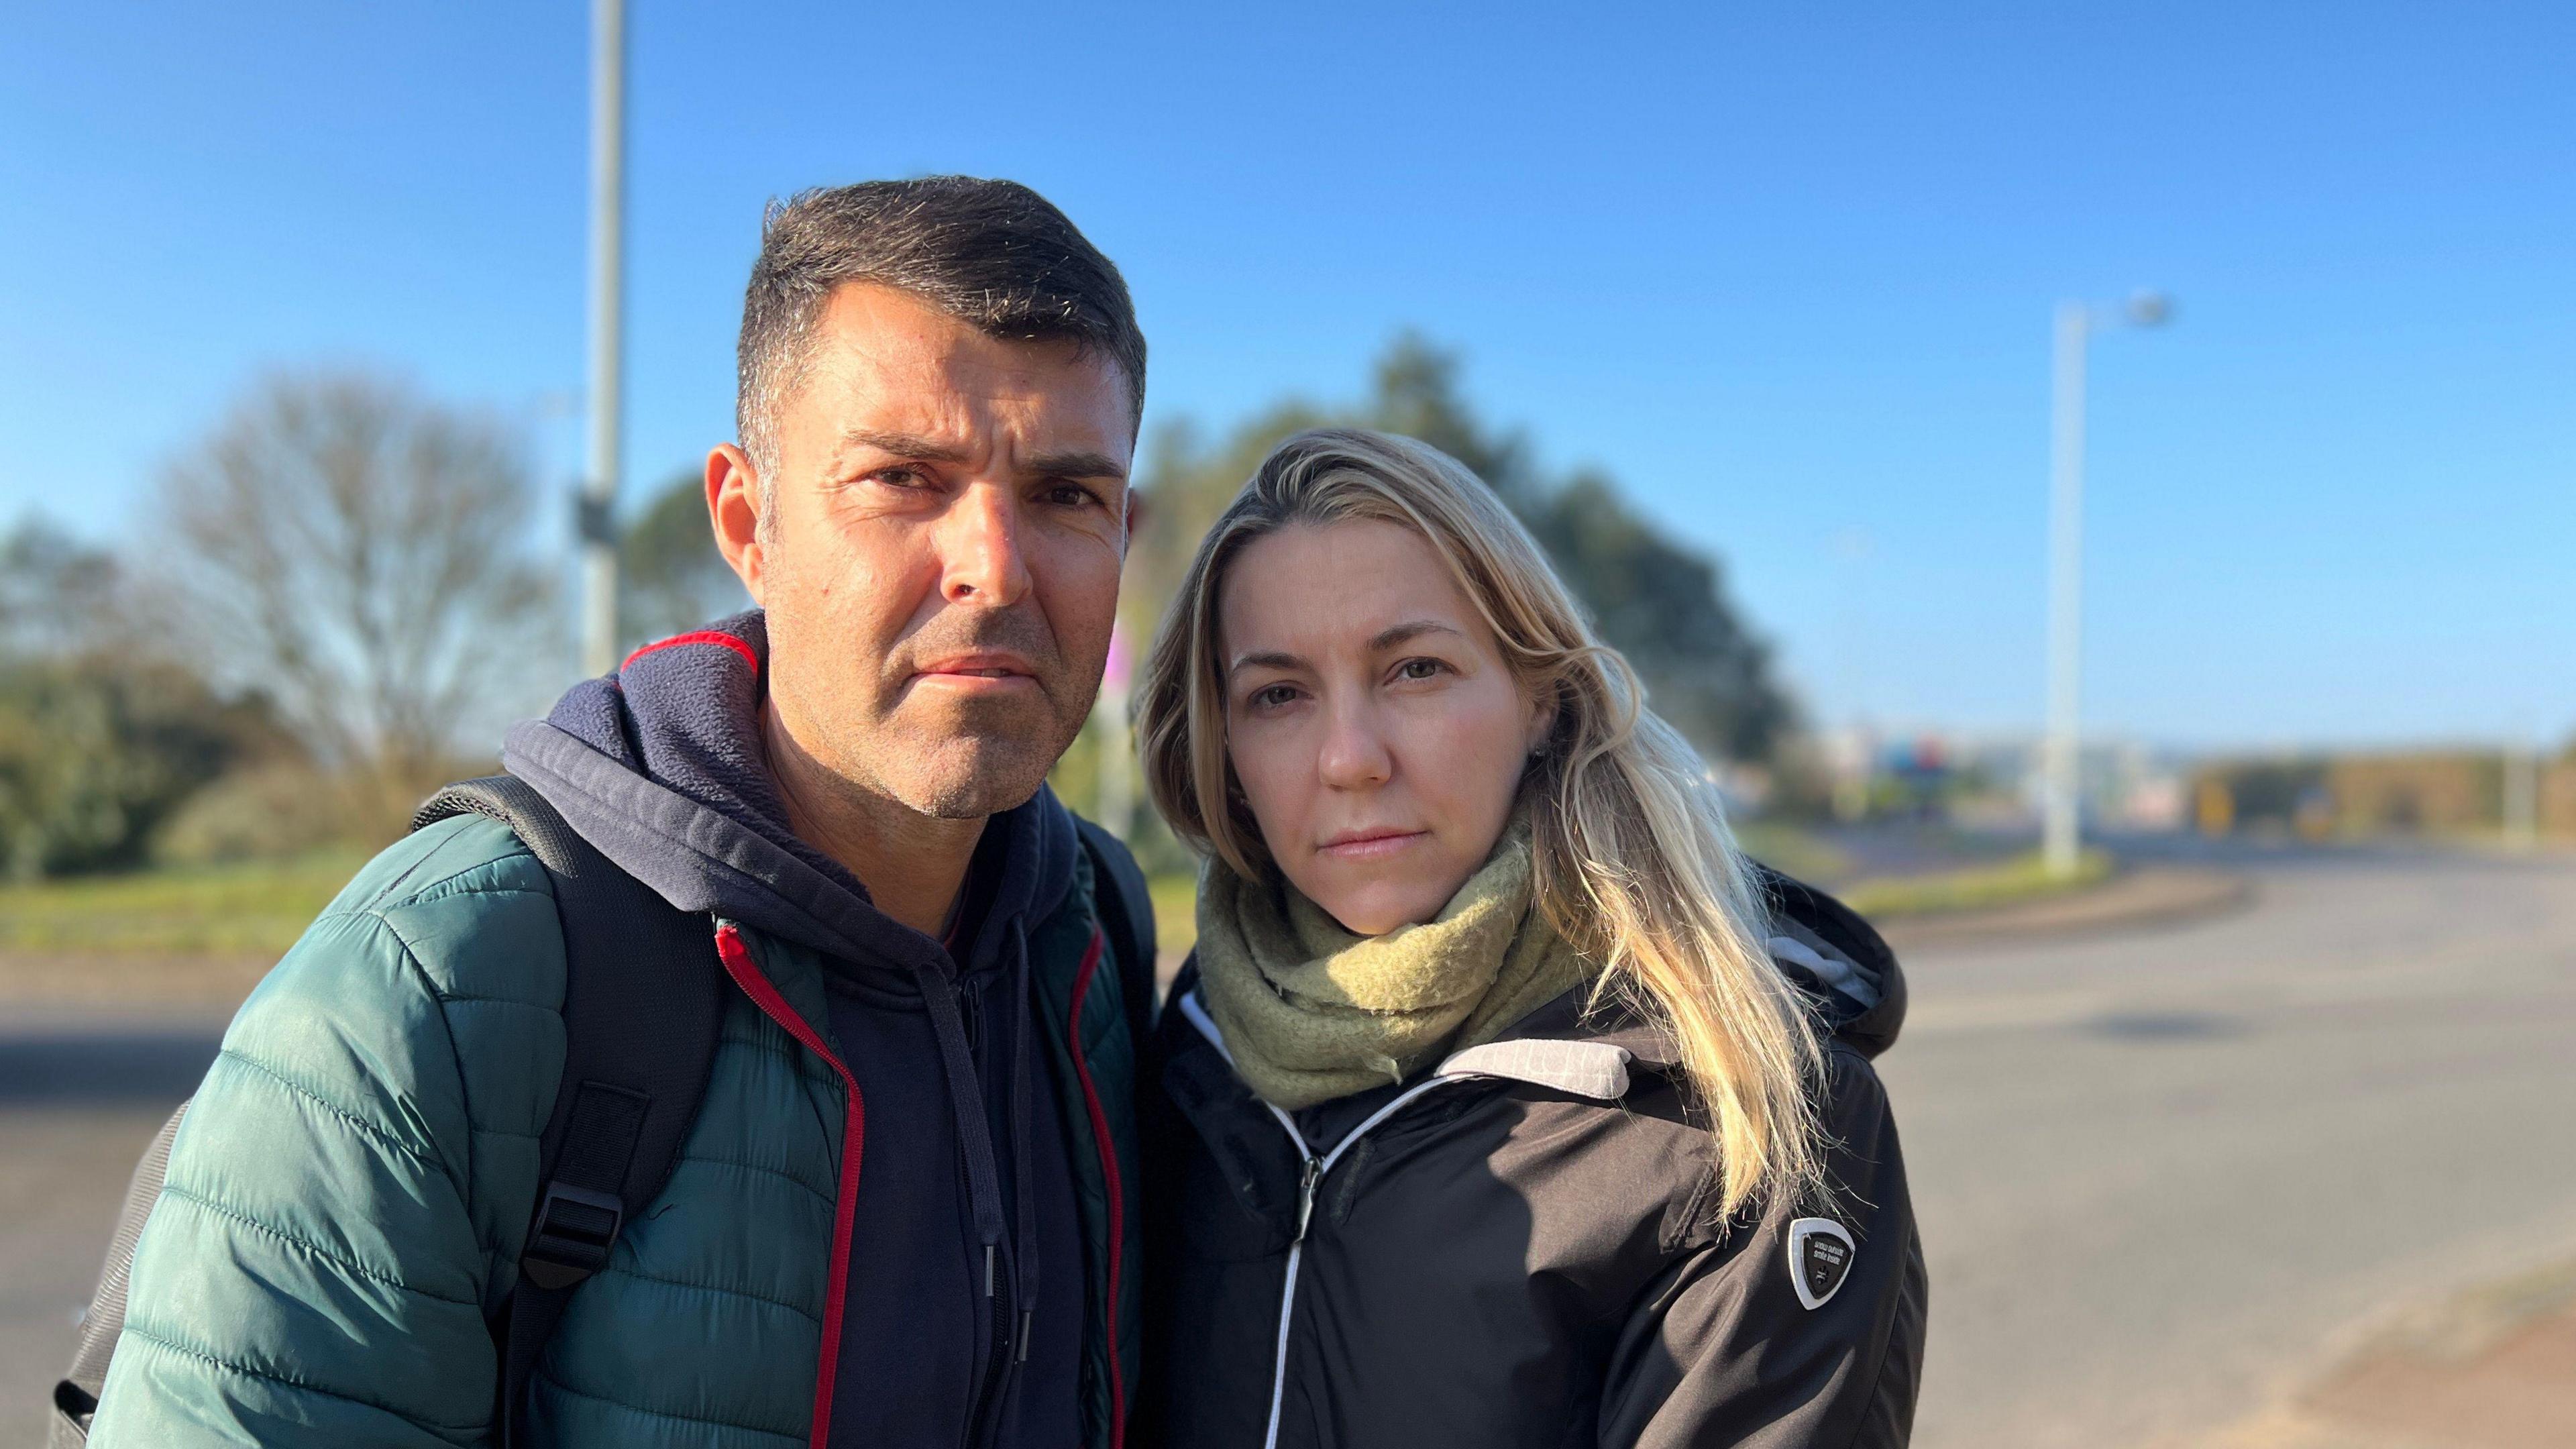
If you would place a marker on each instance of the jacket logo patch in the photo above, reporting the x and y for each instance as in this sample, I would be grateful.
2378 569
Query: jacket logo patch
1820 1258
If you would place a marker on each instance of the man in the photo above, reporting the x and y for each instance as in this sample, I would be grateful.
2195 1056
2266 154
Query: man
897 1217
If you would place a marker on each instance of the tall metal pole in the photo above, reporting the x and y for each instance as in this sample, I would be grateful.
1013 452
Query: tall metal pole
607 307
2061 843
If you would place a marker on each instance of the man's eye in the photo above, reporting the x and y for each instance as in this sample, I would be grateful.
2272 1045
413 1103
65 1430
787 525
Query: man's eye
901 477
1071 495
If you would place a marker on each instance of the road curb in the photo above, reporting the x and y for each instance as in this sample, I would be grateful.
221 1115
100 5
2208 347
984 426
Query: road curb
2132 899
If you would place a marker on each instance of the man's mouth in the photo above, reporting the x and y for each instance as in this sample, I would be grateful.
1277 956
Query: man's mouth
981 673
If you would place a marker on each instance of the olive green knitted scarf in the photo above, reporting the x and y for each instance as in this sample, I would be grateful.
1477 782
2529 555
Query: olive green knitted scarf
1311 1012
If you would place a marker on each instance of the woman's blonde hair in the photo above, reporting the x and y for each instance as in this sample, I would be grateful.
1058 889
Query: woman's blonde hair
1635 865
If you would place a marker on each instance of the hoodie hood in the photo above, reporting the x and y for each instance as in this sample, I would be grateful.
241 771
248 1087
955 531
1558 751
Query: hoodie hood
661 767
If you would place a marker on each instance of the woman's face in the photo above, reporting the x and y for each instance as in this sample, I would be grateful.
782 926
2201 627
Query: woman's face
1377 732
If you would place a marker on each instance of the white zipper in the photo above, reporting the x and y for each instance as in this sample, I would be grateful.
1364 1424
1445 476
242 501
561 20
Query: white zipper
1316 1167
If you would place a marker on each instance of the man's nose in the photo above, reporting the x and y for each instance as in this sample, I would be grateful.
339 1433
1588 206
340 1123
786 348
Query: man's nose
981 562
1355 755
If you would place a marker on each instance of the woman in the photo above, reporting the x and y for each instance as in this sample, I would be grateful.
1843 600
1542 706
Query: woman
1502 1101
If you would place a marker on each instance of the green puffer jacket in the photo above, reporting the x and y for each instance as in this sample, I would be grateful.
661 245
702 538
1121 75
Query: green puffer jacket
408 1049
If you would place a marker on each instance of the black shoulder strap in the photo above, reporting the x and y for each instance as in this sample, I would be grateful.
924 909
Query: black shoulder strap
643 998
1126 911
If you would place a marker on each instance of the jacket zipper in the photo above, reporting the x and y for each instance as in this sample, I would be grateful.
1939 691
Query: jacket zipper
1312 1179
1109 1173
989 1350
993 1366
747 974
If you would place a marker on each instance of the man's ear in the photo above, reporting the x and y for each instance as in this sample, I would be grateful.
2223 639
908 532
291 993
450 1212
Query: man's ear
1136 506
733 512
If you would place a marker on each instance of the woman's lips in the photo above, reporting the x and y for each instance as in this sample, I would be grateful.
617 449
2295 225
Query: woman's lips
1373 844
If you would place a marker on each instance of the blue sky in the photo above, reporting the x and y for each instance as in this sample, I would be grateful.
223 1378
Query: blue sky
1785 272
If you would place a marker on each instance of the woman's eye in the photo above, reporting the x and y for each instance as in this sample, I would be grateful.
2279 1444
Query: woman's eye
1273 696
1419 669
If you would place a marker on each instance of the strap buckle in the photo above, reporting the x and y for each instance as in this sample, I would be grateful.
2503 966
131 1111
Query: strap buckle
575 1228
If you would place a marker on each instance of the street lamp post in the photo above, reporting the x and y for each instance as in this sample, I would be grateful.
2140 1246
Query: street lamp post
607 302
2061 839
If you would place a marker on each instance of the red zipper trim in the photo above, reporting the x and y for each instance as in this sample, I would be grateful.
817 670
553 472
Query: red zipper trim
746 974
1109 1170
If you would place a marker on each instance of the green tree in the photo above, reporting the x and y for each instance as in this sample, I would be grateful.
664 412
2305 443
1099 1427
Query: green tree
1660 602
670 578
102 734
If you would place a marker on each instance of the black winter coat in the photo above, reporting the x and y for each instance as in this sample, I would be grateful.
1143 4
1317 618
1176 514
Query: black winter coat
1518 1248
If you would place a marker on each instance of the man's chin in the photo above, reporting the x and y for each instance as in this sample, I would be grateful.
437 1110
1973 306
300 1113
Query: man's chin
969 779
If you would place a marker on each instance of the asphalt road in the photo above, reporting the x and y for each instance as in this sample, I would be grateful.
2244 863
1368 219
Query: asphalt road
2162 1175
2165 1176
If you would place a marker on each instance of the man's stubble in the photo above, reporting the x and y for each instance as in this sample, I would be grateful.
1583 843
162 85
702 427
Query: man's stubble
947 759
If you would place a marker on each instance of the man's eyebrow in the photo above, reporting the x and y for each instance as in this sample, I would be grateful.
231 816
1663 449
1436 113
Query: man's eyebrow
1077 464
906 445
1266 659
1413 629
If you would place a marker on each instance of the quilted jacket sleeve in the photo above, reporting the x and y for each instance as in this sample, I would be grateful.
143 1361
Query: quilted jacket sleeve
354 1174
1734 1349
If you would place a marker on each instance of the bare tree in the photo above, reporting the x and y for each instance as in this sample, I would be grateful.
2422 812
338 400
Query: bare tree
359 554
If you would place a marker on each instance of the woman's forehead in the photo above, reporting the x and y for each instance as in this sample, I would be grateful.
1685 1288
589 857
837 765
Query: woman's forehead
1337 587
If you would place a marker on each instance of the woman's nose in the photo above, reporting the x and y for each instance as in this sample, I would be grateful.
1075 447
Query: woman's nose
1355 754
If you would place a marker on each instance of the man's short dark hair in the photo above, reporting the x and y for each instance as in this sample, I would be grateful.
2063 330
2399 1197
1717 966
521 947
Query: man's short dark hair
993 254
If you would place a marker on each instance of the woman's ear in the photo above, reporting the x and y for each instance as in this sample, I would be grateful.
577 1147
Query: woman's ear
1542 722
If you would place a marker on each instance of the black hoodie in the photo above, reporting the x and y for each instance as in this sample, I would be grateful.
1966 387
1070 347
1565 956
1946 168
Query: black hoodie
964 1310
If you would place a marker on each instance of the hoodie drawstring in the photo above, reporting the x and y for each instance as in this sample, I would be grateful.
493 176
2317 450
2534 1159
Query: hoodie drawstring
974 1129
983 1167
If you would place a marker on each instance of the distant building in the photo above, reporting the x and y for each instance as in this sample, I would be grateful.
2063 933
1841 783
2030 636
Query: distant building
2429 792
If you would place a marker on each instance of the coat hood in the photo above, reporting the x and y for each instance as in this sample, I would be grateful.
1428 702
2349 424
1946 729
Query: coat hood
660 766
1843 965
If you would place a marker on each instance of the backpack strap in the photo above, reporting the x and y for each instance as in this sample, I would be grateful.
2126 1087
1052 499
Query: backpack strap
1126 910
643 1004
76 1396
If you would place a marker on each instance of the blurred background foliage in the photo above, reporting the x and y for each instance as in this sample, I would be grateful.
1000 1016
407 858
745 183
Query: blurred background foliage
342 592
1656 599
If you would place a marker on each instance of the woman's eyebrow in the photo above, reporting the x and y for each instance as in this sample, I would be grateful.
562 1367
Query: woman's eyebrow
1264 659
1415 629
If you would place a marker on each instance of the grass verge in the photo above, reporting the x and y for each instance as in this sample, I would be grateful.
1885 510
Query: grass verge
1176 920
1792 851
1984 887
255 908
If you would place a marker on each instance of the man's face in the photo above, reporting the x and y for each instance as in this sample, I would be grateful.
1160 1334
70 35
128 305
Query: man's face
941 568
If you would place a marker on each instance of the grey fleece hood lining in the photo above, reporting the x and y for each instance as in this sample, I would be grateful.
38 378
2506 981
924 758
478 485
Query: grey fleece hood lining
540 753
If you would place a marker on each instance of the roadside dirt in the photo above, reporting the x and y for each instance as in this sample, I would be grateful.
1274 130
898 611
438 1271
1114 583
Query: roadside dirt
2494 1368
